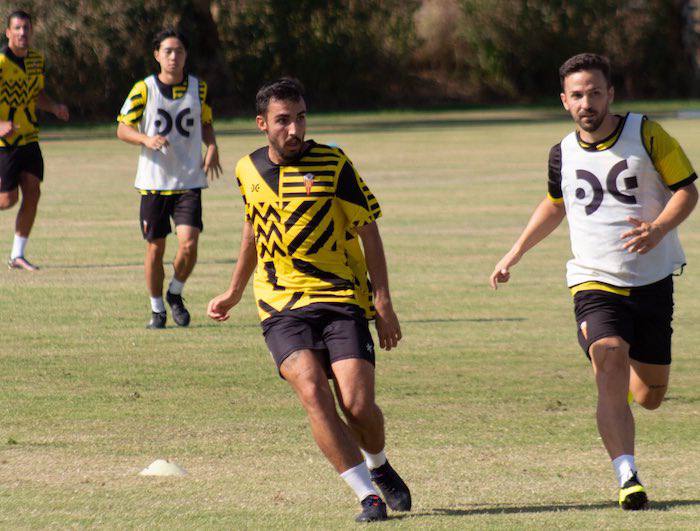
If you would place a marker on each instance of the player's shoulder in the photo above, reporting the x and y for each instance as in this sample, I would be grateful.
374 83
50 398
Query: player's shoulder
35 56
555 152
326 152
249 160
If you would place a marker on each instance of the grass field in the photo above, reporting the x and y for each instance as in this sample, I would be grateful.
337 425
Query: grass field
489 401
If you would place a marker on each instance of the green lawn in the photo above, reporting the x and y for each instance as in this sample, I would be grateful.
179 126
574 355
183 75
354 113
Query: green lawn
489 401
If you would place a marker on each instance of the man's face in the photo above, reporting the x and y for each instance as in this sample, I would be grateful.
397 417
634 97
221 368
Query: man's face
171 56
285 127
19 33
587 97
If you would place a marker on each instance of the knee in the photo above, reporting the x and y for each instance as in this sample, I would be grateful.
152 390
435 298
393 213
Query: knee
31 195
8 200
358 409
155 252
316 397
610 356
189 247
651 398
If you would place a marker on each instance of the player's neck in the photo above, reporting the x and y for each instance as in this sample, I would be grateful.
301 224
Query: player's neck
604 131
171 78
19 52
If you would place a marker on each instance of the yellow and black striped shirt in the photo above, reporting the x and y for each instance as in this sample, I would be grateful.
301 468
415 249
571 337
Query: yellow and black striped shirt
304 216
21 82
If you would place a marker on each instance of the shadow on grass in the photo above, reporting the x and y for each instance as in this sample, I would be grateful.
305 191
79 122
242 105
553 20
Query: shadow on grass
526 509
126 264
468 320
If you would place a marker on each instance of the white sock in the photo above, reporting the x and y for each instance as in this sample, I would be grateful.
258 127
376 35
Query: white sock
157 304
358 480
176 286
624 468
374 460
18 246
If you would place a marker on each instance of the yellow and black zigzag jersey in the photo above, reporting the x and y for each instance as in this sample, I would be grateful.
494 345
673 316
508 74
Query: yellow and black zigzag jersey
132 110
21 82
304 217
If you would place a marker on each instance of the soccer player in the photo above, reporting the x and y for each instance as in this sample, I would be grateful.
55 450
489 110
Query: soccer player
305 208
624 185
169 116
21 163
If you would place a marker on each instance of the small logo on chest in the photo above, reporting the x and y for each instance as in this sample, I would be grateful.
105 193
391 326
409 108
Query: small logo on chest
308 182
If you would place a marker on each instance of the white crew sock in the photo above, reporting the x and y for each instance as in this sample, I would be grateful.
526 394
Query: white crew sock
624 468
176 286
157 304
18 246
374 460
358 480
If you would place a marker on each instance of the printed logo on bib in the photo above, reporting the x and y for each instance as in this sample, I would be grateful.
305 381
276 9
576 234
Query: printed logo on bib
182 123
611 185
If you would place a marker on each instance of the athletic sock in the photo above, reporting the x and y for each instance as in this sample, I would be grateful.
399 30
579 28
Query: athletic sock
176 286
374 460
157 304
359 481
624 468
18 246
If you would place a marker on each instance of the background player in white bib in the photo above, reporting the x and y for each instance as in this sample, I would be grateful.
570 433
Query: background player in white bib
624 185
168 115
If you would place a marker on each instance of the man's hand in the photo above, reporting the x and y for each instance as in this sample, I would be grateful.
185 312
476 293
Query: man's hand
7 128
60 111
643 237
156 142
501 273
220 305
387 324
211 164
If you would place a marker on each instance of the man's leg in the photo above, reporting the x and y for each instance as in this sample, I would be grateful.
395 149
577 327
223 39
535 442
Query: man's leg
155 249
304 372
649 383
30 185
611 365
185 260
354 384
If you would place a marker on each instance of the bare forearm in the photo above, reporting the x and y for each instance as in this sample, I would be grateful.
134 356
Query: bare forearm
376 262
677 209
247 260
45 103
208 136
546 217
131 135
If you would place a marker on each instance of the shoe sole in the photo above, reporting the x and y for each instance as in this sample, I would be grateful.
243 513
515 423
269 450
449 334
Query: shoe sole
636 501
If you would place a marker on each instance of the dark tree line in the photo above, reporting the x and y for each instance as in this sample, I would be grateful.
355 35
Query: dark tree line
367 53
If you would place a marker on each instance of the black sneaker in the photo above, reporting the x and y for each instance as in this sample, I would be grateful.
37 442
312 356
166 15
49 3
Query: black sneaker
632 495
177 307
395 491
373 509
157 320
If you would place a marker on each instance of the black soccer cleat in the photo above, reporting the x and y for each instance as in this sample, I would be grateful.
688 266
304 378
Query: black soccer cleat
395 491
157 320
177 307
373 509
632 495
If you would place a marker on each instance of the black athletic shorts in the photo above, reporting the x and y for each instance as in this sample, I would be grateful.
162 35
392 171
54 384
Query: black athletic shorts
14 161
333 331
642 319
156 210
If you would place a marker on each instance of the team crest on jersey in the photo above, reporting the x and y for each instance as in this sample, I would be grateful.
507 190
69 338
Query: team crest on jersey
308 182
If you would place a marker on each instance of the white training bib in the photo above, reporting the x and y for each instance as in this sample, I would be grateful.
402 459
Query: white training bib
601 189
179 165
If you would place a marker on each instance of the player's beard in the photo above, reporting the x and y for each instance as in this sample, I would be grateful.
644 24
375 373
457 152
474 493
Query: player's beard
288 154
594 122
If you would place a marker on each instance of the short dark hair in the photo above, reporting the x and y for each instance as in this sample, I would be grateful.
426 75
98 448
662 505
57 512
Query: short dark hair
166 34
584 62
22 15
284 89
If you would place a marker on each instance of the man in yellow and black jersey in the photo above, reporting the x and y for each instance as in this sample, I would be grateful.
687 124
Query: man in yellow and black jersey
306 211
624 185
170 117
21 163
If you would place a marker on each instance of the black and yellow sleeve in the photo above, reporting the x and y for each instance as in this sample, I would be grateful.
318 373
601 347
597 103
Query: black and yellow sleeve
356 200
132 110
207 113
667 155
554 192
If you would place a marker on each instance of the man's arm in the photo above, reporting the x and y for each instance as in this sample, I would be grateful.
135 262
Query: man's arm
211 164
45 103
646 235
131 135
388 328
220 305
544 220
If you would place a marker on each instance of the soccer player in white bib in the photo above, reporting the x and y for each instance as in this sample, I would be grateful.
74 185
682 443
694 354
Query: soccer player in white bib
169 116
624 185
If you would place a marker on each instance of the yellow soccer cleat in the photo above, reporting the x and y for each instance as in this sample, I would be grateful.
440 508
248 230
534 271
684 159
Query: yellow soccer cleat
633 497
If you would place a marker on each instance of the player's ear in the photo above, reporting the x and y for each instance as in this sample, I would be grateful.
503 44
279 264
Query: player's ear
564 102
611 94
262 124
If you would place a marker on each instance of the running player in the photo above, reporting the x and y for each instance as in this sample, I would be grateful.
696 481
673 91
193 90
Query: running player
624 185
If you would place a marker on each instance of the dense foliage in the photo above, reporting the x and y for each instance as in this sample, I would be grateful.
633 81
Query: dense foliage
367 53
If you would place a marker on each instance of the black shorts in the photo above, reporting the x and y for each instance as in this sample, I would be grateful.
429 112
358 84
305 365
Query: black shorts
157 209
334 331
642 319
14 161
